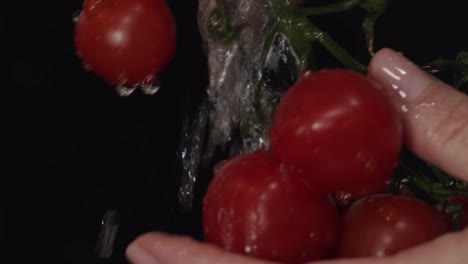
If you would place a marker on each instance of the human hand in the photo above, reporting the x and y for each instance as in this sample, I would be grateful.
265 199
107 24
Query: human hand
436 129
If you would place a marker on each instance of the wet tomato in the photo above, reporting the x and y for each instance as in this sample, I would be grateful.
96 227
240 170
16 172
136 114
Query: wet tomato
338 131
384 224
254 207
125 42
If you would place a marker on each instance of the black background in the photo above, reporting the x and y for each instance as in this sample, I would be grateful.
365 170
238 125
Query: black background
73 148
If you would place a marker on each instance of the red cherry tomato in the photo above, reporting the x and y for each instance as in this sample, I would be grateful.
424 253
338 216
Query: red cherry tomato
254 207
339 131
384 224
126 42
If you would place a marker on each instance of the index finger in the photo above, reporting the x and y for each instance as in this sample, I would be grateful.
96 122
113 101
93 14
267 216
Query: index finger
435 115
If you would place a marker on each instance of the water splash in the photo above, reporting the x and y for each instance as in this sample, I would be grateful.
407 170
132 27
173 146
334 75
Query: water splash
108 233
124 90
190 154
76 16
86 66
151 86
246 79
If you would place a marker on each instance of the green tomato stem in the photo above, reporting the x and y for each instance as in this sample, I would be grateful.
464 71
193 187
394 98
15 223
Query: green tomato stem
368 26
458 66
303 33
437 191
336 50
445 65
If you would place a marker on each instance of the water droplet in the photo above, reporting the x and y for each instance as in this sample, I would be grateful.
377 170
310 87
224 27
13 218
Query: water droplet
124 91
380 253
400 70
87 67
273 186
402 94
389 213
253 237
76 16
150 86
425 105
360 156
404 108
248 249
343 198
392 217
370 165
107 235
253 216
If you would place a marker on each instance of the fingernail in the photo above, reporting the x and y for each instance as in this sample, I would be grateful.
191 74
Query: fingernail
399 75
137 254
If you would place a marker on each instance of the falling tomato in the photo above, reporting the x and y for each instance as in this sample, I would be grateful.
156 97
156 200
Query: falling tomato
126 42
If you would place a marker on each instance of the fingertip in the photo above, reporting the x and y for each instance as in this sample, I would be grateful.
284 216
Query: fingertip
433 113
145 248
137 253
376 62
399 75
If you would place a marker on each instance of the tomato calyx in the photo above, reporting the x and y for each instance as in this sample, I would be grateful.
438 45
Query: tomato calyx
429 183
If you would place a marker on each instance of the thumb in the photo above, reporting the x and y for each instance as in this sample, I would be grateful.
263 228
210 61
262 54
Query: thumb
159 248
435 115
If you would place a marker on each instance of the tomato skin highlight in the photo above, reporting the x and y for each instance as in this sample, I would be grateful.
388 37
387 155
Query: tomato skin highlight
385 224
254 207
125 42
338 131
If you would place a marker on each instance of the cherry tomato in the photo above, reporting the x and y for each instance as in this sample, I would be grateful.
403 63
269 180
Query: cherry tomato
384 224
338 130
126 42
254 207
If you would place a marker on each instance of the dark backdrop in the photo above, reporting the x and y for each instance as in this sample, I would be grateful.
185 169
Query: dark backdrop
73 148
